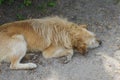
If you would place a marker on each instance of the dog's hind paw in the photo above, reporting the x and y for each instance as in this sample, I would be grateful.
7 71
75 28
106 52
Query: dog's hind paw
32 65
23 66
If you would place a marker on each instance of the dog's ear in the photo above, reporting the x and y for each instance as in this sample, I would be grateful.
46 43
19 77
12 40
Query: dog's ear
82 48
83 26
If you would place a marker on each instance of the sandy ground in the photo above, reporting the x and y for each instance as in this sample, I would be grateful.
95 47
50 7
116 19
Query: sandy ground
103 18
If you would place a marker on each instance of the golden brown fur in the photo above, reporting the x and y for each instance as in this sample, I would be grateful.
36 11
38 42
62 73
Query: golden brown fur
53 36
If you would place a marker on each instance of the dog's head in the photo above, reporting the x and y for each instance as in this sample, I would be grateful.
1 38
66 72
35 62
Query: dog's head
89 38
85 39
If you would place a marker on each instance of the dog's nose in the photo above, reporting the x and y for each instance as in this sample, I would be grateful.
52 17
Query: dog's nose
100 42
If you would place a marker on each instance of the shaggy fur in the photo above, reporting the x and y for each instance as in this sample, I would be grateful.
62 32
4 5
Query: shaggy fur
54 36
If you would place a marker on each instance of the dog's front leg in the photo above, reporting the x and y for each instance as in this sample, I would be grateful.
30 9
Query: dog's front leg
69 56
54 51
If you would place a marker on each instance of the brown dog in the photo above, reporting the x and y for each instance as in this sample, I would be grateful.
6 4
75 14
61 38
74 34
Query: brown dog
54 36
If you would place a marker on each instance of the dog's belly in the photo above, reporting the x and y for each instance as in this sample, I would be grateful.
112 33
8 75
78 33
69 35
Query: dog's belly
36 44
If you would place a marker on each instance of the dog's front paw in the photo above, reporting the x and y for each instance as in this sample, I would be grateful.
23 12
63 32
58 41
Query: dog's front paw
66 61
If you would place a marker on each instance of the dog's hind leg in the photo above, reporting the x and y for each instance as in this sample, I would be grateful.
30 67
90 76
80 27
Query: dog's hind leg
15 63
17 52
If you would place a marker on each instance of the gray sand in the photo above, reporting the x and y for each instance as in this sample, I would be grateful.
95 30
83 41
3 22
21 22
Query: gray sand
103 18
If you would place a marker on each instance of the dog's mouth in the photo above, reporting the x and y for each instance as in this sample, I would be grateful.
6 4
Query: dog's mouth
94 43
99 46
